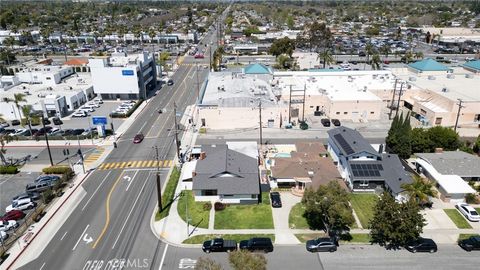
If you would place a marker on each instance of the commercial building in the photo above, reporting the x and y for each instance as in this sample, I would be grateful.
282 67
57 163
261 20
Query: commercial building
232 99
434 92
123 76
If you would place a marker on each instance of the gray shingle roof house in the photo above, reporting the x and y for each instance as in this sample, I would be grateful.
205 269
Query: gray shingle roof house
363 167
465 165
225 175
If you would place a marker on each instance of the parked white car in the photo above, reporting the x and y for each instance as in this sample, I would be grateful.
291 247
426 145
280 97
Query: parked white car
80 114
8 225
18 132
3 235
469 212
87 108
93 104
21 205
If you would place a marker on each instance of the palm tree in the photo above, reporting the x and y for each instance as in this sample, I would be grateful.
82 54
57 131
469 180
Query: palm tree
368 52
375 63
27 112
17 98
419 55
326 56
420 189
408 57
385 50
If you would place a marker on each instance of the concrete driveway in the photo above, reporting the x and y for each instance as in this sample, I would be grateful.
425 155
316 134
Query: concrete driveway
280 219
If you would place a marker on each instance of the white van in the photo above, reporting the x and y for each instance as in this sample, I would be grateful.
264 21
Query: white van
87 108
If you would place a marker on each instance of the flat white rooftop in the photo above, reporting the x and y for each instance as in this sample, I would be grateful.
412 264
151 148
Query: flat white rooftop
337 85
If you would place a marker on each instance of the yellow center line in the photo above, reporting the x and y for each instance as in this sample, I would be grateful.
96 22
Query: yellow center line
107 205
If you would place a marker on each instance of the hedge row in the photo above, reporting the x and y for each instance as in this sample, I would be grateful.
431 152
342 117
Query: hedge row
58 170
122 115
108 132
9 169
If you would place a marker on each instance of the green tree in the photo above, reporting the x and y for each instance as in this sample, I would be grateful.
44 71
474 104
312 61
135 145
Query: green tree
328 208
368 51
375 63
393 223
17 98
290 22
319 36
420 141
326 57
282 46
245 260
443 137
284 62
398 140
476 145
29 117
207 264
420 189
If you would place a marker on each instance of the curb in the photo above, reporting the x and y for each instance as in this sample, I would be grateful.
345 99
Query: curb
48 220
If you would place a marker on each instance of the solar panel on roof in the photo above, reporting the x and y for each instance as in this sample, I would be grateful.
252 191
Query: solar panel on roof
377 173
344 144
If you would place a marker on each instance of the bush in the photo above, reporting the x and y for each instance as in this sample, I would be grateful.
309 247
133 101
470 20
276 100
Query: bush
9 169
207 206
59 170
303 126
203 130
219 206
47 196
471 198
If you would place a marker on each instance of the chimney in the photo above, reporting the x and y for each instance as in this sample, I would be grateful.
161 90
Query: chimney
438 150
203 155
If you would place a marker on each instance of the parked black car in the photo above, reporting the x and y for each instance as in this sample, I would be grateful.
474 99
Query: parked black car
276 200
15 122
219 245
68 132
46 121
421 245
325 122
321 244
257 244
57 121
336 122
469 244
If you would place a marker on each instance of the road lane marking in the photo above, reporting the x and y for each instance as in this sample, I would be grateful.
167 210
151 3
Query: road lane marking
41 267
96 190
149 163
63 235
129 213
143 126
131 180
107 206
123 164
80 238
163 256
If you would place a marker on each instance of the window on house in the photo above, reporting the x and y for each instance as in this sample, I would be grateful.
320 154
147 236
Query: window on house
363 183
338 112
372 112
438 120
423 112
209 192
476 118
345 112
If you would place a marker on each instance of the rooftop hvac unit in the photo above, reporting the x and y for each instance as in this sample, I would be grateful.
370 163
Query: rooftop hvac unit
430 77
469 76
450 76
412 79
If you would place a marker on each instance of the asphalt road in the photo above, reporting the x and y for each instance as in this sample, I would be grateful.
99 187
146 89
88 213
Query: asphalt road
112 222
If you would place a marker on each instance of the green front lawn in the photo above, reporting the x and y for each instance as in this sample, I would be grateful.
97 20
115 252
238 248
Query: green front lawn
168 193
466 235
457 218
354 237
363 204
254 216
199 239
296 220
196 213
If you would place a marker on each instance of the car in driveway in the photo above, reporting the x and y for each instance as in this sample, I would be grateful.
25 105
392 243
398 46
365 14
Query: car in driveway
336 122
13 215
275 199
421 245
138 138
325 122
8 225
471 243
468 212
321 244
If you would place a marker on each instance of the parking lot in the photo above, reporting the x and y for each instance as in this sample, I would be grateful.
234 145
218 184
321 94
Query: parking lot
12 185
84 122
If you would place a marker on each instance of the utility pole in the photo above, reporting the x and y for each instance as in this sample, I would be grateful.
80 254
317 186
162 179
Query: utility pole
159 184
177 143
80 154
393 100
460 106
260 116
303 110
198 84
289 106
399 97
210 58
46 140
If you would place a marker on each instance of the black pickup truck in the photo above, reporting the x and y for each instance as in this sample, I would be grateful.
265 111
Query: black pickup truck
219 245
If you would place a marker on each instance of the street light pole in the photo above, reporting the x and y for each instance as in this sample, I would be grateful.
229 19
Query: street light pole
159 184
458 113
46 140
